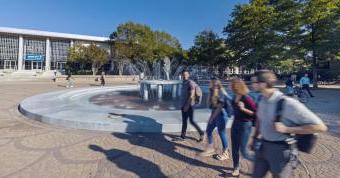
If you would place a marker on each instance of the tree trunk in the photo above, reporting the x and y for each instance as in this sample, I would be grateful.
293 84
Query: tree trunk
94 69
315 72
120 68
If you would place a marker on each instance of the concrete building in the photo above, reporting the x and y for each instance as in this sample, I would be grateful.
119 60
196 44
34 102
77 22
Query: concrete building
34 50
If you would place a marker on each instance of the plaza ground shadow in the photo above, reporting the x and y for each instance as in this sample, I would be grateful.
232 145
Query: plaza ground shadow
154 141
159 143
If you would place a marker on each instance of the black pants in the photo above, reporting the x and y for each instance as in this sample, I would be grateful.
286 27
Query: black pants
306 87
189 114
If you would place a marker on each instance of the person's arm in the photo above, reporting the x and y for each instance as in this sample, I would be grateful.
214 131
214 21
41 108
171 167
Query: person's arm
306 129
305 120
251 104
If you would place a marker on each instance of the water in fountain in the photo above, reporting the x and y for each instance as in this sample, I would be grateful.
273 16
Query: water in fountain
161 80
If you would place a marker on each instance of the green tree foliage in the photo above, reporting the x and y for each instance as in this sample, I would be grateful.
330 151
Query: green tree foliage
208 49
321 30
97 56
267 32
136 41
249 33
77 54
92 54
166 45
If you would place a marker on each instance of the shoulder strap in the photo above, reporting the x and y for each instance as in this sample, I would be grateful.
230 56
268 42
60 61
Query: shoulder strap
278 111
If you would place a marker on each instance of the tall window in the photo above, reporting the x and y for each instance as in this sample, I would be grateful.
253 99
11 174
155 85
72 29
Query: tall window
9 48
34 47
60 50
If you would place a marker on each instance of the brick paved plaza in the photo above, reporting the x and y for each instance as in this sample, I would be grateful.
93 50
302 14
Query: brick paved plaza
32 149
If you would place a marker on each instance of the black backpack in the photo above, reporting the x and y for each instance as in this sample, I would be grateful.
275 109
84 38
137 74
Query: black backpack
304 142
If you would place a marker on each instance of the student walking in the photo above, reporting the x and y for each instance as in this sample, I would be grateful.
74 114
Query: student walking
218 100
273 151
244 115
187 105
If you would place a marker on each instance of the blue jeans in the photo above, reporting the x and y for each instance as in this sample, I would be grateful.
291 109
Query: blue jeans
220 123
240 132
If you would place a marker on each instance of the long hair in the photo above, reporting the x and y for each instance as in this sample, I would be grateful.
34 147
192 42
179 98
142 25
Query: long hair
239 87
215 88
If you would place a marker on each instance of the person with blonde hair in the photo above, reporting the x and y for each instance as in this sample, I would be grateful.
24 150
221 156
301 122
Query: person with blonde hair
219 103
244 116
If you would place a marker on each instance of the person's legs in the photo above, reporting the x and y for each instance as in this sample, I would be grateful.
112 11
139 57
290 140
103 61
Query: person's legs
306 87
261 165
184 123
209 150
221 123
278 156
245 131
235 144
209 131
191 118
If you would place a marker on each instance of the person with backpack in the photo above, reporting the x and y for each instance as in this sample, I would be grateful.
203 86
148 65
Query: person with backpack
218 101
244 115
274 151
188 100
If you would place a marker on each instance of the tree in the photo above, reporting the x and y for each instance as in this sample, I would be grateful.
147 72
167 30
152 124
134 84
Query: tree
166 45
287 29
133 41
208 49
320 30
92 54
249 33
137 41
76 58
97 56
267 32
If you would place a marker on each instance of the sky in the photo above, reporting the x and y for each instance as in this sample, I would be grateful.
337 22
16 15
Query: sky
183 19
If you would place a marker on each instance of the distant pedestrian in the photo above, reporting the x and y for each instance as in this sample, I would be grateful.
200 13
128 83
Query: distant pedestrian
304 83
102 79
70 81
54 75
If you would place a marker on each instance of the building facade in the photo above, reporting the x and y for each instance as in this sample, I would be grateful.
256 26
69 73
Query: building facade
23 49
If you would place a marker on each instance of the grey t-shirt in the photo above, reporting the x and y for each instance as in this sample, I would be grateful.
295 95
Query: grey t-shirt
187 86
294 113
